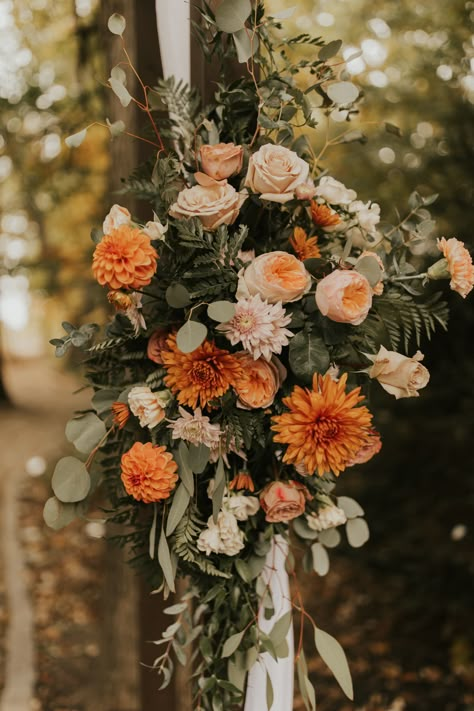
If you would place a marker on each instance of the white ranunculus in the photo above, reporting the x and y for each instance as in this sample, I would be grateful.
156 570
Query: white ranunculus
224 537
327 517
334 192
241 506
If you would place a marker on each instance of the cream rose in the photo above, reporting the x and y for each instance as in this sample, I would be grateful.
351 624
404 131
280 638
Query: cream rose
397 374
327 517
117 216
344 296
276 172
241 506
283 500
221 160
259 382
224 537
334 192
276 276
147 405
155 230
214 204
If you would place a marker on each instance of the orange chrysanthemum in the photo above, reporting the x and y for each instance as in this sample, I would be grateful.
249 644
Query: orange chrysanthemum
242 480
124 258
200 376
459 265
148 472
323 216
324 429
304 246
121 414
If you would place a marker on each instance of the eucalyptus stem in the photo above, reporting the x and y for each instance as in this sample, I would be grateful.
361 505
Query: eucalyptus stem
409 277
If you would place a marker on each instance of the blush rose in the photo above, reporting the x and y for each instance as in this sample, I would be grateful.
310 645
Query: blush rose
276 276
276 172
344 296
221 160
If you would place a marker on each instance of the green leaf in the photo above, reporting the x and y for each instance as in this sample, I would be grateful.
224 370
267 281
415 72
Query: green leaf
395 130
243 570
320 559
177 296
231 15
306 687
85 432
280 628
115 128
269 692
96 235
102 400
164 559
232 644
245 45
76 139
329 50
71 481
184 468
116 24
57 514
219 488
357 532
342 92
302 529
178 507
236 672
198 457
120 91
330 538
308 355
152 537
350 507
119 74
221 311
370 268
190 336
333 656
176 609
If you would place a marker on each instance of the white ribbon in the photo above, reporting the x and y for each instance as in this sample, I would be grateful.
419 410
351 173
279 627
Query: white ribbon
281 672
174 28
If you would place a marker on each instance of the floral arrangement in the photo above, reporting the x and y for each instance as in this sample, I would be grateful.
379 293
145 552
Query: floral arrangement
254 311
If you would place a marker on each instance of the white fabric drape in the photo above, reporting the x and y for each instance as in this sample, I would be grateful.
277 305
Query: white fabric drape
280 672
174 26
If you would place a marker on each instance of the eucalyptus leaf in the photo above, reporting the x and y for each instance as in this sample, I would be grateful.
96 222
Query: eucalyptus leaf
334 657
329 50
221 311
177 296
190 336
198 457
175 609
164 559
342 92
178 507
232 14
284 14
85 432
370 268
236 672
152 536
232 644
269 692
219 488
330 537
102 400
306 687
308 355
184 467
302 529
245 44
320 559
357 532
57 514
350 506
76 139
119 74
120 91
116 24
281 628
71 481
115 128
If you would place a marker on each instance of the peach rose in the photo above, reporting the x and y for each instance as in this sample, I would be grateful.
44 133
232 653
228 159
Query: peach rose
397 374
259 382
283 500
156 345
221 160
368 450
117 216
276 172
213 203
344 296
276 276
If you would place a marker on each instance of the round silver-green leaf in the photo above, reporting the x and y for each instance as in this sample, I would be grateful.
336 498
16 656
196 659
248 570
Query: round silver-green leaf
116 24
76 139
232 14
342 92
177 296
350 506
57 514
221 311
71 481
370 268
308 355
320 559
190 336
357 532
85 432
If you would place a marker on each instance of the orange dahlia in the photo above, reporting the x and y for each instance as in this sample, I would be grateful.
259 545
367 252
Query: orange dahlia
324 428
148 472
304 246
323 216
124 259
200 376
